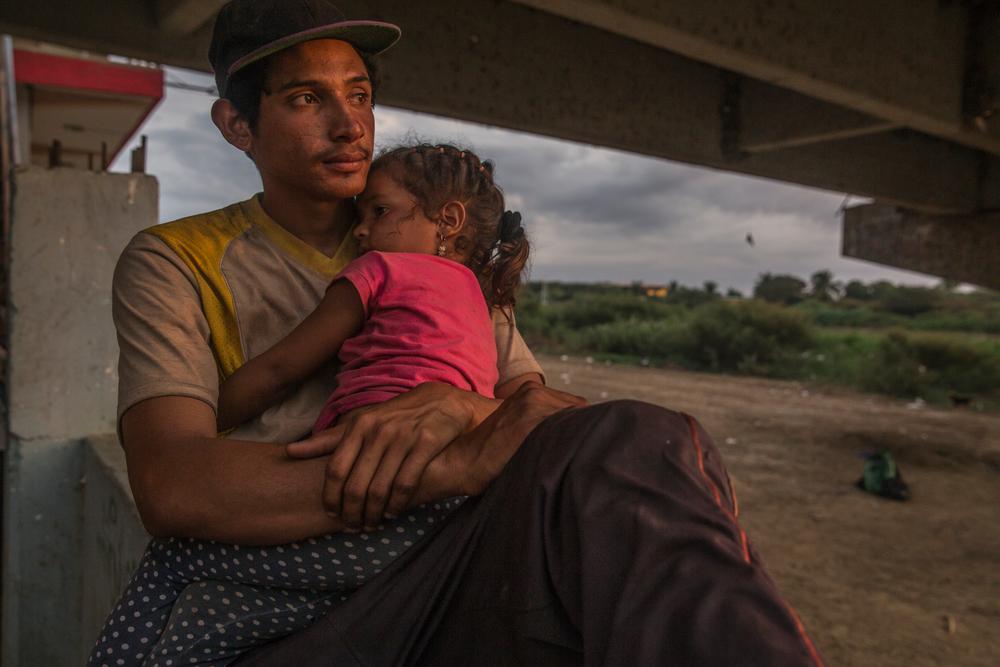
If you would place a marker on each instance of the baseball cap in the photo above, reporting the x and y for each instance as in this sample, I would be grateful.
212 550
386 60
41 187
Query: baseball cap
247 31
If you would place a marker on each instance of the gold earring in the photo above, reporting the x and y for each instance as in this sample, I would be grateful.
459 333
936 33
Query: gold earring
442 250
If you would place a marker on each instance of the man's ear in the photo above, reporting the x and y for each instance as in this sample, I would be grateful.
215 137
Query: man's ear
232 124
451 220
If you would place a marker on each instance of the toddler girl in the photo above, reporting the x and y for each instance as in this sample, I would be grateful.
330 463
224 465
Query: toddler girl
438 253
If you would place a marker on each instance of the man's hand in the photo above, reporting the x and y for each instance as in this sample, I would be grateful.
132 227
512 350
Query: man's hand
378 454
475 459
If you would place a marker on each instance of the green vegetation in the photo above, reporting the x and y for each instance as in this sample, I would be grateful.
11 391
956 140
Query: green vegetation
930 343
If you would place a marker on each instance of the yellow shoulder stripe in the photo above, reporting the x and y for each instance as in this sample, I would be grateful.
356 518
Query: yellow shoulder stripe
201 242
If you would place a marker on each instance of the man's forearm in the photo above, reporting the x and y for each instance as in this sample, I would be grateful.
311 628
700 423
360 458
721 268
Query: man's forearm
476 458
231 491
188 483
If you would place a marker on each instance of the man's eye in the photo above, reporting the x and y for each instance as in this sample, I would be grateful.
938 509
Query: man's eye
306 98
360 97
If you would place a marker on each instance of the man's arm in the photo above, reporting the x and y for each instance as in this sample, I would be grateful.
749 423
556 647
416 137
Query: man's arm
470 463
426 444
378 454
186 482
507 389
189 483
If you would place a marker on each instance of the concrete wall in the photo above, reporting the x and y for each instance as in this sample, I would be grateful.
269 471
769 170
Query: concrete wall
68 229
113 536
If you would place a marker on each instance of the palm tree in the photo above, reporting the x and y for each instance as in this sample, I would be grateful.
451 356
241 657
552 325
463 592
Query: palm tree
823 286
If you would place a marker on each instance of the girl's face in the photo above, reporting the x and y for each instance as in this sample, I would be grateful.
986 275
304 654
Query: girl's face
391 219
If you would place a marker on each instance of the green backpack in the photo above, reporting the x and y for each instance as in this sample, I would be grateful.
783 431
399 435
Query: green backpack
882 477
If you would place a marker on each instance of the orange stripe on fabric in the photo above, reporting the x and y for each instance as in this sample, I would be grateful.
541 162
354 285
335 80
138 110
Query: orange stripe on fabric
696 439
736 502
744 541
810 647
701 460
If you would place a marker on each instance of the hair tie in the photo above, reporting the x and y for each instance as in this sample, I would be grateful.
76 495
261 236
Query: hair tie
510 227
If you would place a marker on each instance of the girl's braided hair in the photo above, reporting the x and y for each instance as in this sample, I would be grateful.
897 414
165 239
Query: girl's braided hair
492 239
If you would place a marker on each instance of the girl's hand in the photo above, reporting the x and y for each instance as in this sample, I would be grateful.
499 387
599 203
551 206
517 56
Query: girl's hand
378 454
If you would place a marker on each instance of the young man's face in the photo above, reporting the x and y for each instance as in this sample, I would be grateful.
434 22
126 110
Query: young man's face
315 132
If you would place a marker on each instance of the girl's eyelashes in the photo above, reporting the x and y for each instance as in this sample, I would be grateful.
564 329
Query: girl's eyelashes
372 211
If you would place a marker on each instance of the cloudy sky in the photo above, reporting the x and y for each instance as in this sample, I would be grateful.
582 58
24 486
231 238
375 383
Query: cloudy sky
593 214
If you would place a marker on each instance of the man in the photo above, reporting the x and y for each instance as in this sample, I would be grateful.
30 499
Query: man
610 537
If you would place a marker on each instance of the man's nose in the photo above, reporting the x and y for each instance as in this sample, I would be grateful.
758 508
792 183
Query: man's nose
344 124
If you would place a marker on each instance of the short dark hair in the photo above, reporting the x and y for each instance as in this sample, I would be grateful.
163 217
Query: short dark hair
248 85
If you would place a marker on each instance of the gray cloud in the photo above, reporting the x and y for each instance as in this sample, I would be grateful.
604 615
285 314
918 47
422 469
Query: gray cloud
593 213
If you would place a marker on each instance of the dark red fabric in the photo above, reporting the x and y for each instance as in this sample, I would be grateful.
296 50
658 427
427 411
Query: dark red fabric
610 539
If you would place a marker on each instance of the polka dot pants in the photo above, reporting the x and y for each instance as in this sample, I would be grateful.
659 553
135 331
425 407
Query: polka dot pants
192 602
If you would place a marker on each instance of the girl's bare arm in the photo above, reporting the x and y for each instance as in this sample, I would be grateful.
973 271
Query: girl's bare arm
265 379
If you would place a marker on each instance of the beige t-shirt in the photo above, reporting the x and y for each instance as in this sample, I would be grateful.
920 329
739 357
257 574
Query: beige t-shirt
193 299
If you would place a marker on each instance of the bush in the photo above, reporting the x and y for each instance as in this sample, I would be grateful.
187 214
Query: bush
779 289
907 366
910 301
746 337
858 291
895 369
590 310
845 315
692 297
660 340
837 357
755 337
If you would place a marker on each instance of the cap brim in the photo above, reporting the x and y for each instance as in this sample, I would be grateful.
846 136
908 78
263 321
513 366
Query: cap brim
371 37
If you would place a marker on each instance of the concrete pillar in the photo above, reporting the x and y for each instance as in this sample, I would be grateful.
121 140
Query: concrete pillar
67 231
961 248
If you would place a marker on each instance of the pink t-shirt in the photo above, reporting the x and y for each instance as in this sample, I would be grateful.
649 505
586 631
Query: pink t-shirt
425 321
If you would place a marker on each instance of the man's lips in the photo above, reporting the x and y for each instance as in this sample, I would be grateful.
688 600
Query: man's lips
345 162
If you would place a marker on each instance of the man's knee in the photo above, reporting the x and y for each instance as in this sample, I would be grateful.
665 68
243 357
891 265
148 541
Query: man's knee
626 430
641 416
628 445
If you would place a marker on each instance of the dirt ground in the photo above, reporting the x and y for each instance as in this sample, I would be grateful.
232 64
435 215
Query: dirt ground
876 582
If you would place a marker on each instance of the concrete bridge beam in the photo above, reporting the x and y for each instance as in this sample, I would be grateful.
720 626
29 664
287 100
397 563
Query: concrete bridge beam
185 16
905 61
772 118
960 248
538 72
824 87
